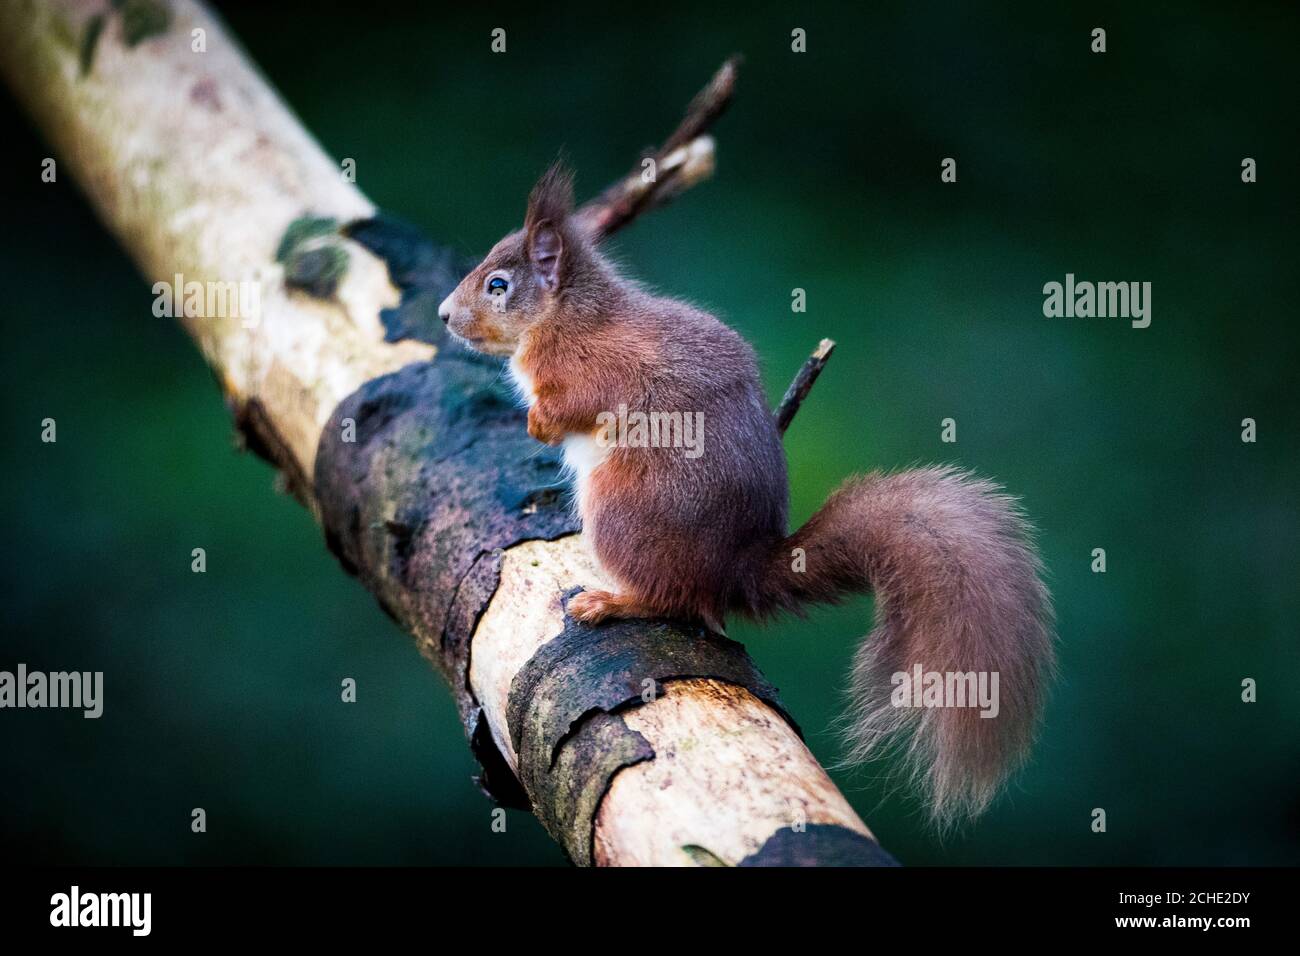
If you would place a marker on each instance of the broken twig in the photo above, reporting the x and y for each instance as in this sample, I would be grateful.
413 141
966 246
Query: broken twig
802 385
685 159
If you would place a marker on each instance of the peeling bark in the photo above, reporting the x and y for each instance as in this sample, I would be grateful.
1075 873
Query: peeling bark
734 774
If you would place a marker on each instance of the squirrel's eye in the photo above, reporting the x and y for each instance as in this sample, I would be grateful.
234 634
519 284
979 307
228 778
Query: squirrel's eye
497 284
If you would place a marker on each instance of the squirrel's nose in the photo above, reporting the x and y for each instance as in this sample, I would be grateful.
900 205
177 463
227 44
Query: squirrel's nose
444 310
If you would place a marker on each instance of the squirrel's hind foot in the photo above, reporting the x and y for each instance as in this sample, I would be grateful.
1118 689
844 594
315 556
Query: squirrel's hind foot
593 607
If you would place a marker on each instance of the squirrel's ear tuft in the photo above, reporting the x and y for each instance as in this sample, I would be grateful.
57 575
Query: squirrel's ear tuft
552 197
549 206
547 253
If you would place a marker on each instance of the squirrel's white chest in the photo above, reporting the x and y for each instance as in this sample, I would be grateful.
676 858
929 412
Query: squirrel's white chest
582 453
582 456
523 382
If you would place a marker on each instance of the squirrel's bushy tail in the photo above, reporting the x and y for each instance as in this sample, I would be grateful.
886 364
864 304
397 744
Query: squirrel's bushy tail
957 589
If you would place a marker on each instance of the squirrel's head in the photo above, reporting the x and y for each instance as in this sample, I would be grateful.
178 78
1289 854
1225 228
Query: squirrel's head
524 277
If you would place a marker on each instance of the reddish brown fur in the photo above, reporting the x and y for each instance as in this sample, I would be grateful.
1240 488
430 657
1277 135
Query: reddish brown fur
947 555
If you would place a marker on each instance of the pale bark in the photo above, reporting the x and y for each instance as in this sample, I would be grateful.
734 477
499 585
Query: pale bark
198 168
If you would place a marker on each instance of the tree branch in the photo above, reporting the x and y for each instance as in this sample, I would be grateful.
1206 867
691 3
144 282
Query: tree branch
635 743
802 384
684 159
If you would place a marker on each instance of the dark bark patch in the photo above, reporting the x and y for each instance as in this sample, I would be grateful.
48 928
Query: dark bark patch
616 665
413 261
142 19
468 604
567 796
702 857
313 259
441 473
301 230
94 29
497 781
316 271
426 274
440 479
819 844
415 317
565 706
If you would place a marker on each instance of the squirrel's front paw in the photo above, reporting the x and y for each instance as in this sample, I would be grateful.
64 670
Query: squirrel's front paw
541 429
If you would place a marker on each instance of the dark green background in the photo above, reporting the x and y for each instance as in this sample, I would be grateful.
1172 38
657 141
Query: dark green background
222 689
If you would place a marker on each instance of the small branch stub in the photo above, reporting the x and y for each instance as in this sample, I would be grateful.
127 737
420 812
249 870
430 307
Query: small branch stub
802 384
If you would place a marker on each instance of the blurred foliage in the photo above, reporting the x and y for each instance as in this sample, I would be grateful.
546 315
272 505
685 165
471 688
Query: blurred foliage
222 689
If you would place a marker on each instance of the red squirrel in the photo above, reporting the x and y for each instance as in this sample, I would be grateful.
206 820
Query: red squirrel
948 556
